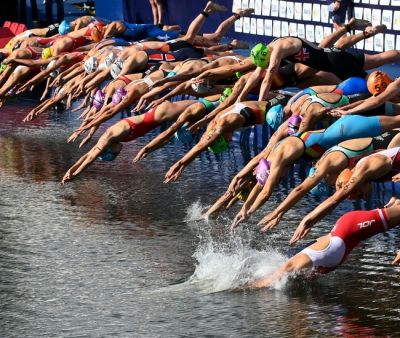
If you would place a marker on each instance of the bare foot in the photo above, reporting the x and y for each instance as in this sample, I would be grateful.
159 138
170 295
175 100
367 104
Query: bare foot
371 31
171 28
213 7
245 11
359 23
238 44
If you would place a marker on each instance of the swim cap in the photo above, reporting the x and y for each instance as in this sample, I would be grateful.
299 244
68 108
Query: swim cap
184 135
322 189
3 67
262 171
351 86
109 60
64 27
238 75
47 53
275 116
227 91
116 68
97 33
91 65
259 55
294 124
55 72
107 155
343 178
118 95
219 145
201 88
243 195
377 82
98 100
171 74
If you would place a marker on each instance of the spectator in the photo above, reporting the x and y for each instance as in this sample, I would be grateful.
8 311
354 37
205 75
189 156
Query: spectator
158 11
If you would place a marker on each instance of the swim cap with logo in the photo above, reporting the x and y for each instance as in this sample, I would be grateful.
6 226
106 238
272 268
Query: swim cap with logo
98 100
90 65
262 171
227 91
97 33
219 145
294 124
64 27
377 82
116 68
118 95
275 116
201 88
259 55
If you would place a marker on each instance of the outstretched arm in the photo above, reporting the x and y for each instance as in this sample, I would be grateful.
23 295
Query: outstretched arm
88 158
390 93
361 174
206 140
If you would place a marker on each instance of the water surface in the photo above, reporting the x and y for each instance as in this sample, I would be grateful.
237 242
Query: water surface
118 253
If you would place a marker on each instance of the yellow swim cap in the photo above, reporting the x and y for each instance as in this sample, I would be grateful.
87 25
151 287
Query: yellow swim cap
46 53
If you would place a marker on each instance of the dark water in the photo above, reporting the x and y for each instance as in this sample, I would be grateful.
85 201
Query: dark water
111 253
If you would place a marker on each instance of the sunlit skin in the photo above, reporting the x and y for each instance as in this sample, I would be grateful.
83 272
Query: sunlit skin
302 261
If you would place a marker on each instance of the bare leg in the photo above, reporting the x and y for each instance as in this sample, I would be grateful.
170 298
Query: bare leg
331 39
226 24
160 11
154 10
378 60
196 24
348 41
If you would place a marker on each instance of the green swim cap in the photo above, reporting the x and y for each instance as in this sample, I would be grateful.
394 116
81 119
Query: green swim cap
2 67
219 145
259 55
238 75
227 91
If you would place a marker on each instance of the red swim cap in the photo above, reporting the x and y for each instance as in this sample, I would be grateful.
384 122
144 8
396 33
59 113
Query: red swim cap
377 82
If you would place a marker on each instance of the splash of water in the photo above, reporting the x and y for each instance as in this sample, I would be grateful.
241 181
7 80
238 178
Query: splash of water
228 261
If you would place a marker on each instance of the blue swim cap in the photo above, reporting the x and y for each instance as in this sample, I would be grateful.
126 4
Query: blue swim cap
275 116
171 74
64 27
184 135
107 155
322 189
353 85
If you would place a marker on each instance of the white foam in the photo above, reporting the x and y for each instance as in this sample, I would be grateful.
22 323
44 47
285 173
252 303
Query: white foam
221 267
226 259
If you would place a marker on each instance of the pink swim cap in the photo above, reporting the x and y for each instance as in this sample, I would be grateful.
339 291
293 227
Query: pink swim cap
294 124
98 100
118 95
262 171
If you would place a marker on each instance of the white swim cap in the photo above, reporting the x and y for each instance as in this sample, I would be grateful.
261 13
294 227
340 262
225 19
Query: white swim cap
91 65
116 68
202 88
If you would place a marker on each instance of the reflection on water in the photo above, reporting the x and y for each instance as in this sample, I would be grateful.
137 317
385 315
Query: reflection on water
117 252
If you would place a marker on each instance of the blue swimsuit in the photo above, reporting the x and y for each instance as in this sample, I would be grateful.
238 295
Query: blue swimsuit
346 128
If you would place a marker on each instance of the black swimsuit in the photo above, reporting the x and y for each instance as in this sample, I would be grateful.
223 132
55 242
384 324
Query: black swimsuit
334 60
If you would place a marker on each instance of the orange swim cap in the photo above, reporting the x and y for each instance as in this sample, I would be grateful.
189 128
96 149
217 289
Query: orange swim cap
97 33
343 178
377 82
